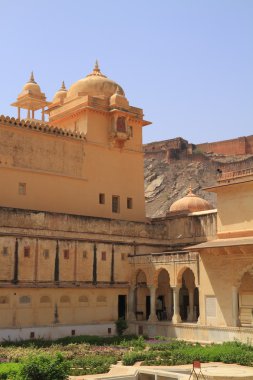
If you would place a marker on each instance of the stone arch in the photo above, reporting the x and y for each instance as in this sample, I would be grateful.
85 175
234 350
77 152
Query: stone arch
179 276
164 295
142 295
241 273
244 285
140 277
157 274
188 295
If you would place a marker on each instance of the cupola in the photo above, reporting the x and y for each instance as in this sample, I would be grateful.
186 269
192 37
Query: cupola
32 99
60 94
191 203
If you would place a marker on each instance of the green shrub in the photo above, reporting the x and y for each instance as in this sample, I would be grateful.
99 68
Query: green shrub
9 370
121 326
92 364
45 367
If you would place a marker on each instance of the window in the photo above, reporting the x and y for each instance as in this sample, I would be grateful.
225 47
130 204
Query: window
101 198
101 299
4 300
5 251
65 299
22 188
103 256
44 299
129 203
83 299
66 254
123 256
84 254
24 299
27 252
46 254
115 203
131 131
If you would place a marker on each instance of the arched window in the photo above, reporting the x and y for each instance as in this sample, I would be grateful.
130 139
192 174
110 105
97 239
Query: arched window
25 299
44 299
65 299
4 300
83 299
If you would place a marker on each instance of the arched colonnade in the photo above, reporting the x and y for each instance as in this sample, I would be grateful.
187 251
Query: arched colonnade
154 298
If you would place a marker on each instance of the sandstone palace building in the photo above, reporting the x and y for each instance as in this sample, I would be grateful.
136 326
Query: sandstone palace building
76 249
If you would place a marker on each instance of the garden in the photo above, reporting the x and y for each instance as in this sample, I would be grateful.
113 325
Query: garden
82 355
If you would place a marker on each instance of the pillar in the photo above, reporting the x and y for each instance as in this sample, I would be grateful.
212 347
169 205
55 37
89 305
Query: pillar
131 304
170 305
33 114
190 315
235 321
176 316
152 317
43 114
18 112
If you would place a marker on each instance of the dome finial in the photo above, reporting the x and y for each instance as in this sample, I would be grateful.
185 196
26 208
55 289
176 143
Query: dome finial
31 80
63 87
96 71
96 67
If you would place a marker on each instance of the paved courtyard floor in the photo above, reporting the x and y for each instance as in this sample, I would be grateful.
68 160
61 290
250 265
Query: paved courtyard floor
211 371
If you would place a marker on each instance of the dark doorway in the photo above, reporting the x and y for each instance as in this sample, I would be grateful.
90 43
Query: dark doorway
147 307
122 306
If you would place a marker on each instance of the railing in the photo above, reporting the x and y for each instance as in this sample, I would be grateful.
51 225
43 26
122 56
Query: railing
181 257
235 174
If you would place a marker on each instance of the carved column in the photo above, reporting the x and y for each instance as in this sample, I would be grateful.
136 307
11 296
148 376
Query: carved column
152 317
94 276
112 267
170 305
56 263
235 314
191 305
131 304
15 271
176 316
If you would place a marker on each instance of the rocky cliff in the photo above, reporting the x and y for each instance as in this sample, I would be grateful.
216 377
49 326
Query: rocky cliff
169 173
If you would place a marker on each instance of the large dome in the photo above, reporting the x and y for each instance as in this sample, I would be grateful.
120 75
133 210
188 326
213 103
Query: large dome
95 84
191 203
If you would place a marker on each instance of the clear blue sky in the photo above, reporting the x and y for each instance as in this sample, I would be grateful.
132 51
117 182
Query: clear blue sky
187 63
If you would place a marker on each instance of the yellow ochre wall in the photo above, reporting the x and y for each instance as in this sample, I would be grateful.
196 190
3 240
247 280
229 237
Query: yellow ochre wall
235 205
66 175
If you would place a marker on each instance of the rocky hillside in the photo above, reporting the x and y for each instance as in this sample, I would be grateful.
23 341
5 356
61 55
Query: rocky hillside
169 180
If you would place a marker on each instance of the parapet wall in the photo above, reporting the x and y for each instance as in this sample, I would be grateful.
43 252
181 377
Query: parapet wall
178 148
238 146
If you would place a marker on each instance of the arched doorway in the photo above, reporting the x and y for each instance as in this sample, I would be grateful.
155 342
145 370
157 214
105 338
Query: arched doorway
142 297
246 299
188 297
164 297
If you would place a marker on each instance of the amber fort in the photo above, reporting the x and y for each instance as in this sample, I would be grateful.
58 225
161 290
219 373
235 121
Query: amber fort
77 251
